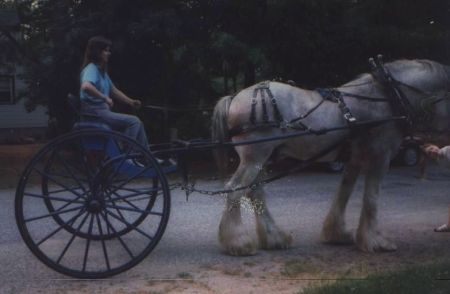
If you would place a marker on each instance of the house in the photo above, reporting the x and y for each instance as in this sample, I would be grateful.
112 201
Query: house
15 121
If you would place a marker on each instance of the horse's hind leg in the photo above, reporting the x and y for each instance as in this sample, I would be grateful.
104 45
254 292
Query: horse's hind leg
234 238
269 234
333 230
368 237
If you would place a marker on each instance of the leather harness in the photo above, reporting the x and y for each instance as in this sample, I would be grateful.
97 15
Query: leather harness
400 104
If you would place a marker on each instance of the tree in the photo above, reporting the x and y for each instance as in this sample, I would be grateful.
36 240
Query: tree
188 53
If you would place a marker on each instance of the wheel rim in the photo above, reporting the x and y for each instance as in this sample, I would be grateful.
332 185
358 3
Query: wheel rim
92 220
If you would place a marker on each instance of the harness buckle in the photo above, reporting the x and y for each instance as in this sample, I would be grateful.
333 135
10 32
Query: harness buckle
349 117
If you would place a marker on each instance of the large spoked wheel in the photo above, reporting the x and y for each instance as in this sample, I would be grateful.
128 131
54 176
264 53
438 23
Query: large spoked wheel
92 204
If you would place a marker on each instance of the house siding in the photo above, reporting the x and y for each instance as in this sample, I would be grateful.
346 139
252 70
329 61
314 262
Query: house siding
15 116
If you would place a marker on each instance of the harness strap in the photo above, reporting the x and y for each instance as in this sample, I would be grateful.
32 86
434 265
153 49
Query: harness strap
263 89
276 111
253 110
361 97
246 128
336 96
398 100
265 116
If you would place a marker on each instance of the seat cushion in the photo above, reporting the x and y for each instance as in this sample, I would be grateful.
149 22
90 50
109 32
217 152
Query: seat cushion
91 125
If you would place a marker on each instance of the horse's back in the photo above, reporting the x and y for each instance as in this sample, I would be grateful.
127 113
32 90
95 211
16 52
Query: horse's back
289 100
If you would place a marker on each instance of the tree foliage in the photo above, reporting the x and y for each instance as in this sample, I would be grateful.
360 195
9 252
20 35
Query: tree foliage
187 53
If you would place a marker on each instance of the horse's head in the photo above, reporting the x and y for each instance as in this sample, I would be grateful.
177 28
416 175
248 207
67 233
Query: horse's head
427 86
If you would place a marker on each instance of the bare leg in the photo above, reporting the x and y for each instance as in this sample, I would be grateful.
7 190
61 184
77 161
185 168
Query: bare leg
368 237
333 230
445 227
269 234
423 162
448 220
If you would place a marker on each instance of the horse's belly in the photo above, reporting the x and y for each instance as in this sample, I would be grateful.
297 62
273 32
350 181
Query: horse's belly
305 148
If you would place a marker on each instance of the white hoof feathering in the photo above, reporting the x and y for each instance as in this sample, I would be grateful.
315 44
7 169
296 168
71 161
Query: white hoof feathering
276 239
374 242
335 233
235 239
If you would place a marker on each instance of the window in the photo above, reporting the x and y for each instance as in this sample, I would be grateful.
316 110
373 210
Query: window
6 89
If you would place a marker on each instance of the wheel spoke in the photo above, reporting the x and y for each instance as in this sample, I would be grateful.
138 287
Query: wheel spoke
54 198
134 210
136 194
52 214
118 237
72 238
69 223
144 169
66 167
129 225
51 178
105 252
121 199
88 243
118 211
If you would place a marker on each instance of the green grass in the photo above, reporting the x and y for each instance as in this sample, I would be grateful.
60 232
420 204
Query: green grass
432 279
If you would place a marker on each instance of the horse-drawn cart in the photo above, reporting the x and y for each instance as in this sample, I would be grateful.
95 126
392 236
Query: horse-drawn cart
94 203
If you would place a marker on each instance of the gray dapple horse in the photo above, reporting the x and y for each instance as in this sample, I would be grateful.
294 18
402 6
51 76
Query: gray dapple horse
425 83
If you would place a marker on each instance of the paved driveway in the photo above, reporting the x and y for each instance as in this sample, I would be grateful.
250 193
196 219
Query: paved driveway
188 259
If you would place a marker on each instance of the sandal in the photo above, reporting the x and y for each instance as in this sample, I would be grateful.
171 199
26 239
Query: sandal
443 229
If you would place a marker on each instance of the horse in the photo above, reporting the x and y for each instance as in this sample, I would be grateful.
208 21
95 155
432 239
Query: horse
245 116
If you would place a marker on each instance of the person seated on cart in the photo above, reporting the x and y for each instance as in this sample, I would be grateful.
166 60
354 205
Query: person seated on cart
97 92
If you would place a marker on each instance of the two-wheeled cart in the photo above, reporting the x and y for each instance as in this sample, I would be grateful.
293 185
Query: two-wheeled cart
94 203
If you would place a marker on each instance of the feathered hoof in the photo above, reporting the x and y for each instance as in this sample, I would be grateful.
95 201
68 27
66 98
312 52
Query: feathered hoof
374 243
237 241
276 241
240 248
337 238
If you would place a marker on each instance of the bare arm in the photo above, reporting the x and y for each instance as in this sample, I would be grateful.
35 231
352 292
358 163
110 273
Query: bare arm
92 90
119 95
442 155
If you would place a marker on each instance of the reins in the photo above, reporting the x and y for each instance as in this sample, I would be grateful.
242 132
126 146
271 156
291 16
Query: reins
185 146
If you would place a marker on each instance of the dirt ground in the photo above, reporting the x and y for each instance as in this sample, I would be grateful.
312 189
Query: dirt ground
309 264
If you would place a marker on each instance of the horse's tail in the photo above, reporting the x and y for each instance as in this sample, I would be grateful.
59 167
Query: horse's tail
220 133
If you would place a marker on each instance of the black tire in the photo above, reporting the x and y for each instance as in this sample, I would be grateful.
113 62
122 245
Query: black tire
94 216
410 155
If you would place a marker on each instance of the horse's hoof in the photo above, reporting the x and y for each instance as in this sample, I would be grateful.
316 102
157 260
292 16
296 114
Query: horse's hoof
246 250
376 243
277 241
239 244
337 238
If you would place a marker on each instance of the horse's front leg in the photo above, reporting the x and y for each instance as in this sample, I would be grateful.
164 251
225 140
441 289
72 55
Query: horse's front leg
368 236
334 230
269 234
234 238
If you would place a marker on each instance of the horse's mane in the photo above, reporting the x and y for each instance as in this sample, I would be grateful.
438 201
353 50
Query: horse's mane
396 67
